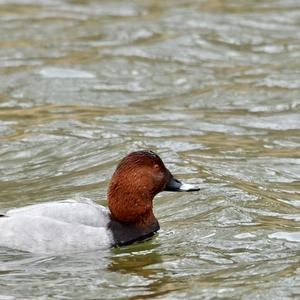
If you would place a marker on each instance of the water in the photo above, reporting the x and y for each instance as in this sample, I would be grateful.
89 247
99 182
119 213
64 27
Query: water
212 86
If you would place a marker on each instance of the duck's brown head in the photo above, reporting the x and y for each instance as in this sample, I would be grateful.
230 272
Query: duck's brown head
137 179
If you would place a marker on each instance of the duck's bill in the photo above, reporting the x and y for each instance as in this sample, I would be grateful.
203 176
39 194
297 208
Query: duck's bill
174 185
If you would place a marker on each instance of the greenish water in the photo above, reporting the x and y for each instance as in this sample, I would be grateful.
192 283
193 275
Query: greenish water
212 86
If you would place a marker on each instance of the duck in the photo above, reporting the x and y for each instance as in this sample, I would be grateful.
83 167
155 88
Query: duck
79 225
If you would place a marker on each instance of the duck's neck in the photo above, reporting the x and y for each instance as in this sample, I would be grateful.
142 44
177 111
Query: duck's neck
132 217
128 233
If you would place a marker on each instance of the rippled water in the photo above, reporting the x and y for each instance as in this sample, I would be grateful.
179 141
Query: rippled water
212 86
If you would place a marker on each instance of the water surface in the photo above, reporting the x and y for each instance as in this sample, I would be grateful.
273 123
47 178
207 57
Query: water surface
212 86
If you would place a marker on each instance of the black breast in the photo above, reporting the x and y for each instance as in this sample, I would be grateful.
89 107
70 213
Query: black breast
125 234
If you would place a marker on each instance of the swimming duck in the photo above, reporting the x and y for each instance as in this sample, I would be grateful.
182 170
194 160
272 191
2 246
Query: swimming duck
82 225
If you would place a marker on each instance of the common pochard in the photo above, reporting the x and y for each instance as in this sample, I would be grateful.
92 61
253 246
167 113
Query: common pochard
82 225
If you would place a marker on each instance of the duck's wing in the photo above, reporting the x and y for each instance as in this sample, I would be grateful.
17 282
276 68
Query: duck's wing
39 234
80 211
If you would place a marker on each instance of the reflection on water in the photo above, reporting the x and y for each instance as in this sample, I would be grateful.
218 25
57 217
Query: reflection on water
212 86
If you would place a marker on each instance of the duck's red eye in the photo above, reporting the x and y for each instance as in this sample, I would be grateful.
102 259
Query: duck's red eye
156 167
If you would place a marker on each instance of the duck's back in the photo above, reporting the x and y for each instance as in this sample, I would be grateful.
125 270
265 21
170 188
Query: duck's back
64 226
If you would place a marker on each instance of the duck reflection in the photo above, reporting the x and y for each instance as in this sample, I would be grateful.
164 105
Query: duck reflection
144 261
137 259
